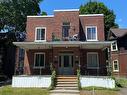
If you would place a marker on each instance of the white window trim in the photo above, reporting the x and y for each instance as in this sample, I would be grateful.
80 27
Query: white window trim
36 67
96 33
97 60
36 34
115 45
114 67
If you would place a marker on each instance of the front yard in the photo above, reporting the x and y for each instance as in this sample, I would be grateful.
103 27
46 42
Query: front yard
8 90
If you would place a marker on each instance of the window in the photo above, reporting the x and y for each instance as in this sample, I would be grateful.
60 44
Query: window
40 34
114 46
91 33
115 66
92 60
39 60
65 29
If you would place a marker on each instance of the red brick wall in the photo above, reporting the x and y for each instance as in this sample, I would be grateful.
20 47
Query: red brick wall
29 62
102 63
94 21
52 56
122 59
72 17
32 23
54 24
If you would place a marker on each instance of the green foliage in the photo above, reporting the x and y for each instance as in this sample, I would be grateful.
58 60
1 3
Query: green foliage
78 75
14 13
53 80
100 8
43 13
122 82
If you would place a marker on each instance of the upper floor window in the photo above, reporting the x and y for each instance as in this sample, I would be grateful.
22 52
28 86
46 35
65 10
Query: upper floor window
65 29
39 60
92 60
91 33
115 66
114 46
40 34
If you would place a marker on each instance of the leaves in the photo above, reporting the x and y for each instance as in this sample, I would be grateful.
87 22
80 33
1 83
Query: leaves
100 8
13 13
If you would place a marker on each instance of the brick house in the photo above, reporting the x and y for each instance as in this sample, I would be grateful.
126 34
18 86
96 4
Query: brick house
66 40
119 51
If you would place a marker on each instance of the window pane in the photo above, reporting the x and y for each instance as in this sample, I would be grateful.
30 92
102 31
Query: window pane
92 60
116 65
88 33
37 60
41 59
40 34
65 29
66 61
91 33
42 37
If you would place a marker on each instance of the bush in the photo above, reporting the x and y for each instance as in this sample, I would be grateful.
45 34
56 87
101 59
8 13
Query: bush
78 75
53 80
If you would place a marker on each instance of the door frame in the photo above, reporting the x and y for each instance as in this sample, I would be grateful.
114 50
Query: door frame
71 65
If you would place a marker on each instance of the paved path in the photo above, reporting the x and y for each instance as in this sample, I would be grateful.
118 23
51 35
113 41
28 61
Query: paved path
123 91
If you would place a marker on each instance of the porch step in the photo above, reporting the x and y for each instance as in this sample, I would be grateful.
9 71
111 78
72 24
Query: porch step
66 85
66 82
66 88
65 92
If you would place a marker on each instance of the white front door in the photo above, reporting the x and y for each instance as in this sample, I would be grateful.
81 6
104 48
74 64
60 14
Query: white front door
66 64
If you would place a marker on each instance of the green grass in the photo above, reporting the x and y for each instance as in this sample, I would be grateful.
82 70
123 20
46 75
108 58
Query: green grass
99 88
99 91
8 90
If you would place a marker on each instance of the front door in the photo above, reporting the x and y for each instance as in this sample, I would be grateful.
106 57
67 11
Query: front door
66 64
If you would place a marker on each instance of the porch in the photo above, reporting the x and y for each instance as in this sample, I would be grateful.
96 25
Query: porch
65 56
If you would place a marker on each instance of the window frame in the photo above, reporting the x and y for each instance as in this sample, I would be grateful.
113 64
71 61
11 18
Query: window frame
95 34
35 60
36 34
117 65
66 26
115 46
88 67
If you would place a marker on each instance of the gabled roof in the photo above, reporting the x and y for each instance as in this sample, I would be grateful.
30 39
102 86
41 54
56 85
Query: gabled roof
119 32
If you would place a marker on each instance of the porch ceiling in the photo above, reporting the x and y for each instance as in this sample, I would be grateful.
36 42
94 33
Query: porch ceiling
49 45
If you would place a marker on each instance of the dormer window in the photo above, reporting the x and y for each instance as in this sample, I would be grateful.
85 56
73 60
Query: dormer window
114 46
91 33
40 34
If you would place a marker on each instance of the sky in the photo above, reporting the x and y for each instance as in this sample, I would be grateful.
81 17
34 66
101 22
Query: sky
118 6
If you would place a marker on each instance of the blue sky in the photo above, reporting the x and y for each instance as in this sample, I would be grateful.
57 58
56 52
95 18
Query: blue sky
118 6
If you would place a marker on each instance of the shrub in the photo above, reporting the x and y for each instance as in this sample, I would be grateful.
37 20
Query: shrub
78 75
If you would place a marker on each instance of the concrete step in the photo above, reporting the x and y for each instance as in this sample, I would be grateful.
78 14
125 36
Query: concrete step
66 85
66 88
66 77
67 82
65 91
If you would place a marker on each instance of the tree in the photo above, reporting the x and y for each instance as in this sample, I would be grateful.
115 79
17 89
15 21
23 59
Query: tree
43 13
100 8
13 13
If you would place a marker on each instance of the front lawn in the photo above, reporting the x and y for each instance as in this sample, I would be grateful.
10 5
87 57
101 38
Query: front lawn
8 90
99 92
